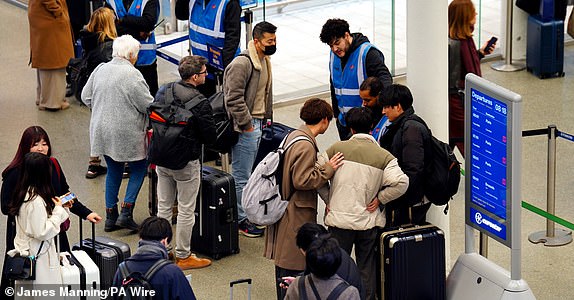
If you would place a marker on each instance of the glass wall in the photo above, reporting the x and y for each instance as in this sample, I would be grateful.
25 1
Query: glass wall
301 64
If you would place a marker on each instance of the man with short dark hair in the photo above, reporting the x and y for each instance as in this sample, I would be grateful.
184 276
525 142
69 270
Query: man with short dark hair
248 91
353 59
168 282
370 177
184 183
323 259
408 139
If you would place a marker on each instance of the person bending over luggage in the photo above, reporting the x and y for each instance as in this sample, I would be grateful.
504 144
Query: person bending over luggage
409 141
348 270
301 177
39 215
118 96
370 177
97 39
35 139
323 259
185 182
168 281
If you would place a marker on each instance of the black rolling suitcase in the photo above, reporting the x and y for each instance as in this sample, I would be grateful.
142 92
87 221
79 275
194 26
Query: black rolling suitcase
413 263
107 253
215 232
271 137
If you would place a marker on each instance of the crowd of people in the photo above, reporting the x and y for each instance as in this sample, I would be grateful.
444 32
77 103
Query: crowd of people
370 180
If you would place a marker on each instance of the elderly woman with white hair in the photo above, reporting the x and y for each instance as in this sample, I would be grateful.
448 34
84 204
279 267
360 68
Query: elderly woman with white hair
118 96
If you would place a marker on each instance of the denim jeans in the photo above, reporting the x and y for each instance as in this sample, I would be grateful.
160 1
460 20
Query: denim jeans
242 159
138 170
183 184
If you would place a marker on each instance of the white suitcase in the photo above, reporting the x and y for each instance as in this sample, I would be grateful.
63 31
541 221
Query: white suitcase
80 274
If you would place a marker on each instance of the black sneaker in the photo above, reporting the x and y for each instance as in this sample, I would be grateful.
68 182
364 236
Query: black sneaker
95 171
248 229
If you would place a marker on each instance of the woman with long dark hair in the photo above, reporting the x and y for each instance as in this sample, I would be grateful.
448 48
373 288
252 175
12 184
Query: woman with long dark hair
39 215
35 139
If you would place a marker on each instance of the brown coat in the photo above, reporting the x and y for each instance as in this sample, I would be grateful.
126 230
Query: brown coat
50 34
302 176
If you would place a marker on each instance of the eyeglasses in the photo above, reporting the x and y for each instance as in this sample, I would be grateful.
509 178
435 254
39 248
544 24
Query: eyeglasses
204 72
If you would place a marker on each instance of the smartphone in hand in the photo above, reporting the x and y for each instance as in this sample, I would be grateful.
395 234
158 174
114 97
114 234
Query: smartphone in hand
490 44
66 198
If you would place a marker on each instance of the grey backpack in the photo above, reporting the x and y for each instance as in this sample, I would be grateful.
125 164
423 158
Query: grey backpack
262 199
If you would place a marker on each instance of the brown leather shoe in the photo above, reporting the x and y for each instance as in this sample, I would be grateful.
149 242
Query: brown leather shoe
192 262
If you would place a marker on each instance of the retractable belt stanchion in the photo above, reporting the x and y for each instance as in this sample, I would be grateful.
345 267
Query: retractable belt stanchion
552 236
507 65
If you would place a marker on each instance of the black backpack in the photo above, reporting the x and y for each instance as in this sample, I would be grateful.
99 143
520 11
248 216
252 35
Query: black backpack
137 285
226 137
171 122
442 170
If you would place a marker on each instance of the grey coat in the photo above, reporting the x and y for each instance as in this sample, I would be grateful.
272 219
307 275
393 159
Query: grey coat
239 92
118 96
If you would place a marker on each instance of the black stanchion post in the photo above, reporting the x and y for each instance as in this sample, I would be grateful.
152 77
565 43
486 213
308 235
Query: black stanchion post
248 15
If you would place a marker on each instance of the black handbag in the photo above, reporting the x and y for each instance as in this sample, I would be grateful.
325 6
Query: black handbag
21 267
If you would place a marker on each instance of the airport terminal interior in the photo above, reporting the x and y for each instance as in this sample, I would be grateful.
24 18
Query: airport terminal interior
300 70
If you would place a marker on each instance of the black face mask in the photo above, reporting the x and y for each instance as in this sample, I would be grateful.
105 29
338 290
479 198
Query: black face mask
270 50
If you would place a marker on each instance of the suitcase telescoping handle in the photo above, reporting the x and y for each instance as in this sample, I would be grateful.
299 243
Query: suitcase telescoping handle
93 234
231 284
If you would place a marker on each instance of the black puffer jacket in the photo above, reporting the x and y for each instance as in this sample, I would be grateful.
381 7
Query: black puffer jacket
202 128
409 141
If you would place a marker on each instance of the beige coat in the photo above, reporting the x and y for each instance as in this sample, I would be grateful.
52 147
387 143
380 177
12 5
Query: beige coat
302 176
50 34
239 92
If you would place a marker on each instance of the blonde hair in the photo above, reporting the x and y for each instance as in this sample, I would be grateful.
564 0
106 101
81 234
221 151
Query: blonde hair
460 15
102 21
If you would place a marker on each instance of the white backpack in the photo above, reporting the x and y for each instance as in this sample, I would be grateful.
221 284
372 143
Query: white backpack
262 199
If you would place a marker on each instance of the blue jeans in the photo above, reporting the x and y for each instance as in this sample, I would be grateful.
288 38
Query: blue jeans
138 170
242 159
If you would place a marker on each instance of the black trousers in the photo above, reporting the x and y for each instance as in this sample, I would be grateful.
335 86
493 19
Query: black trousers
149 73
280 272
365 254
400 216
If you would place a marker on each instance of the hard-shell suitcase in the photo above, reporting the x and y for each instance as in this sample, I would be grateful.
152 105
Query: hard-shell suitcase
233 283
545 47
413 263
79 272
107 253
271 137
215 232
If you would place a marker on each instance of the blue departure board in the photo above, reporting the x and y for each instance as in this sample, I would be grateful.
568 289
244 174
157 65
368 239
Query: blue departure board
492 139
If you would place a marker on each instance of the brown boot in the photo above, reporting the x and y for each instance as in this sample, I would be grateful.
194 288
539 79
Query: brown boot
192 262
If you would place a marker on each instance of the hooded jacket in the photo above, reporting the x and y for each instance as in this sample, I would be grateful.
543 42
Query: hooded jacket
168 282
374 64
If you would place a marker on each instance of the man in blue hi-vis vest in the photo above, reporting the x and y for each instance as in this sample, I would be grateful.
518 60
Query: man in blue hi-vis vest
353 59
138 18
214 25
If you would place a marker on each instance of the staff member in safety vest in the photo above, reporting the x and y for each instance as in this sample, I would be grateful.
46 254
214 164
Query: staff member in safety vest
353 59
138 18
216 23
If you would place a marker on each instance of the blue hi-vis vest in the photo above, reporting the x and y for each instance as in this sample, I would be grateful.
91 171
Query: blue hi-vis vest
347 82
380 128
146 55
206 25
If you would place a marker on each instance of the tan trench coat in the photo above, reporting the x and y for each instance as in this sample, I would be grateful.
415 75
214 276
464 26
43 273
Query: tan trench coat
302 176
50 34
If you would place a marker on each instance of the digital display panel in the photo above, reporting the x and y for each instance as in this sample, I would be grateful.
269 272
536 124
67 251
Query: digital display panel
489 145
